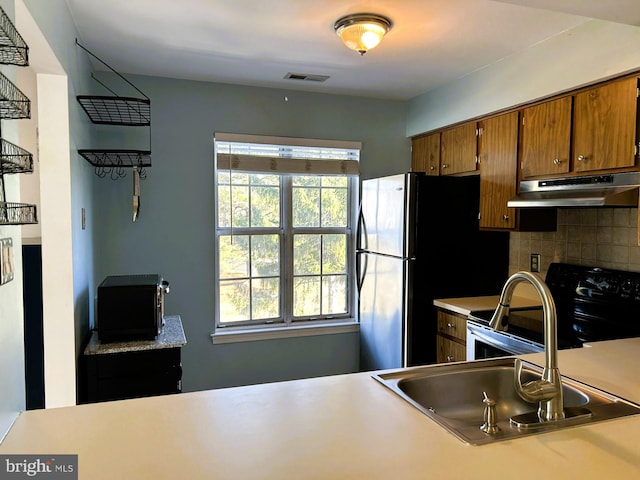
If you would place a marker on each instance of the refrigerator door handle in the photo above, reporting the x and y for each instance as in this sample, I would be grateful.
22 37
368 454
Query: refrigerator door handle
361 230
361 270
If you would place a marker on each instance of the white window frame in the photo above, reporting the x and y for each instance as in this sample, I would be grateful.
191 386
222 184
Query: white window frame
288 327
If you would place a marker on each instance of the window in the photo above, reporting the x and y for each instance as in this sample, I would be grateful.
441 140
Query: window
285 211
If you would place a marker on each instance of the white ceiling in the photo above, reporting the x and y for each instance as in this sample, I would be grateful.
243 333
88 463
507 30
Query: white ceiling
257 42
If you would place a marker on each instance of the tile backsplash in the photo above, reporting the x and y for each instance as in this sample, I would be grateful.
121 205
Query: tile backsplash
602 237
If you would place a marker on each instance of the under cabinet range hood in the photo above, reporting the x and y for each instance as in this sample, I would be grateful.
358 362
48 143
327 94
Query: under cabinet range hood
612 190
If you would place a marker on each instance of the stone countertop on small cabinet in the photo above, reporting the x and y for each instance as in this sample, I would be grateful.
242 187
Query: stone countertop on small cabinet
172 336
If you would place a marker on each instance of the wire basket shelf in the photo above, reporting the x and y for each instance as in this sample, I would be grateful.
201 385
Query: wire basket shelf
17 214
13 103
107 110
13 49
14 159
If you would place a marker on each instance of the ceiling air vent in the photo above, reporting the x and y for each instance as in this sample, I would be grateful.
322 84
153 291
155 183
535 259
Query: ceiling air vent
306 77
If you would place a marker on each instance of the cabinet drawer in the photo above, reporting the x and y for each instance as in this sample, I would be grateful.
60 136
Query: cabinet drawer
450 351
452 325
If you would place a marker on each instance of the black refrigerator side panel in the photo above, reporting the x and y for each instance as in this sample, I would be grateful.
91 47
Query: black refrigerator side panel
453 257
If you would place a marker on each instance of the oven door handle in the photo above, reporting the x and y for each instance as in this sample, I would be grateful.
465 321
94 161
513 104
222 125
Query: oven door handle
514 346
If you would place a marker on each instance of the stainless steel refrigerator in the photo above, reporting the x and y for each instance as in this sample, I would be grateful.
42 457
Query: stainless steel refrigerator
418 240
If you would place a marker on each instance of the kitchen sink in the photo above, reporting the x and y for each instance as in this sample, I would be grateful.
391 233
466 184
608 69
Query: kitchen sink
452 395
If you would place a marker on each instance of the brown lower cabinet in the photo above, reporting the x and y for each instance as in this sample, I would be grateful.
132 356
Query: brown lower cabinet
451 341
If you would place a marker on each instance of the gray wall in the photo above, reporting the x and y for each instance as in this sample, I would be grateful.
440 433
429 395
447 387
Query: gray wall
174 235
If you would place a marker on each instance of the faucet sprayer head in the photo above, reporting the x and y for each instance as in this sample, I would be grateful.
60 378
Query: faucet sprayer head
499 320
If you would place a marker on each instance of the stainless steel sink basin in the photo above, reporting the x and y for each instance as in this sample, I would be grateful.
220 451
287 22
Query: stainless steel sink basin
452 395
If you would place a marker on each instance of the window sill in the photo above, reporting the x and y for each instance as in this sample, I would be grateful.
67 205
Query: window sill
233 336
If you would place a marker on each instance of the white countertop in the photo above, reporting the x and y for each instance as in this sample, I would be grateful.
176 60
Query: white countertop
466 305
338 427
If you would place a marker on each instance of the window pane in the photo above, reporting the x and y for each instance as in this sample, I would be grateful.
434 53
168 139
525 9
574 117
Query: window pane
240 178
306 181
265 206
259 179
306 254
224 206
224 177
265 255
240 204
334 207
234 300
306 207
334 254
234 256
334 294
265 295
331 181
306 296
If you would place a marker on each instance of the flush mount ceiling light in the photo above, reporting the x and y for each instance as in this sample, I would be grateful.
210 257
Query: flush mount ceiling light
362 31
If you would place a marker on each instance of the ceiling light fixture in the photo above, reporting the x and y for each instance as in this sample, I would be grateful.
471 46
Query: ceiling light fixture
362 31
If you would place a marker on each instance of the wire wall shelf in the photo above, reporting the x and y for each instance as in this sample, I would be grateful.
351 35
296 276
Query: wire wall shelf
13 103
126 111
117 110
14 159
17 214
13 49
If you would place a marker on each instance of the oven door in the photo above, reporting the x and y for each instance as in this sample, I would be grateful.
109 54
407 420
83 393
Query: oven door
485 342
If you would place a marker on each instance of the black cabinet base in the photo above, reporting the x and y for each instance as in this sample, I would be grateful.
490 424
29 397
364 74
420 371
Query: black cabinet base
118 376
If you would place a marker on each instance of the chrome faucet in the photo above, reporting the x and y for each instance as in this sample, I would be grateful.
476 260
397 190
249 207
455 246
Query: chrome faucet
548 390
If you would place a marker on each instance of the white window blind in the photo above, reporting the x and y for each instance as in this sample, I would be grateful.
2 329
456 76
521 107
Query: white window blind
286 155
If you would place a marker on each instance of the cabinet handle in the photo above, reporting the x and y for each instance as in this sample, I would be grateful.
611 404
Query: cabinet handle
444 165
505 217
582 158
557 162
450 325
432 167
450 358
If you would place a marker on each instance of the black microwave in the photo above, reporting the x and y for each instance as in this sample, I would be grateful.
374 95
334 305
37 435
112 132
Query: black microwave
131 307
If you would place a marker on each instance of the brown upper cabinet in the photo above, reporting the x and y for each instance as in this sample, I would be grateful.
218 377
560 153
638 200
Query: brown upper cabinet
546 135
602 126
498 154
458 149
425 154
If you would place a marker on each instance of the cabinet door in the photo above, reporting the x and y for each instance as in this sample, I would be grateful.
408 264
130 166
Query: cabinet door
604 127
498 150
450 351
546 138
425 154
459 149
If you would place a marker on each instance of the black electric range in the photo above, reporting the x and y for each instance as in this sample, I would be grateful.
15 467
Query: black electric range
592 304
